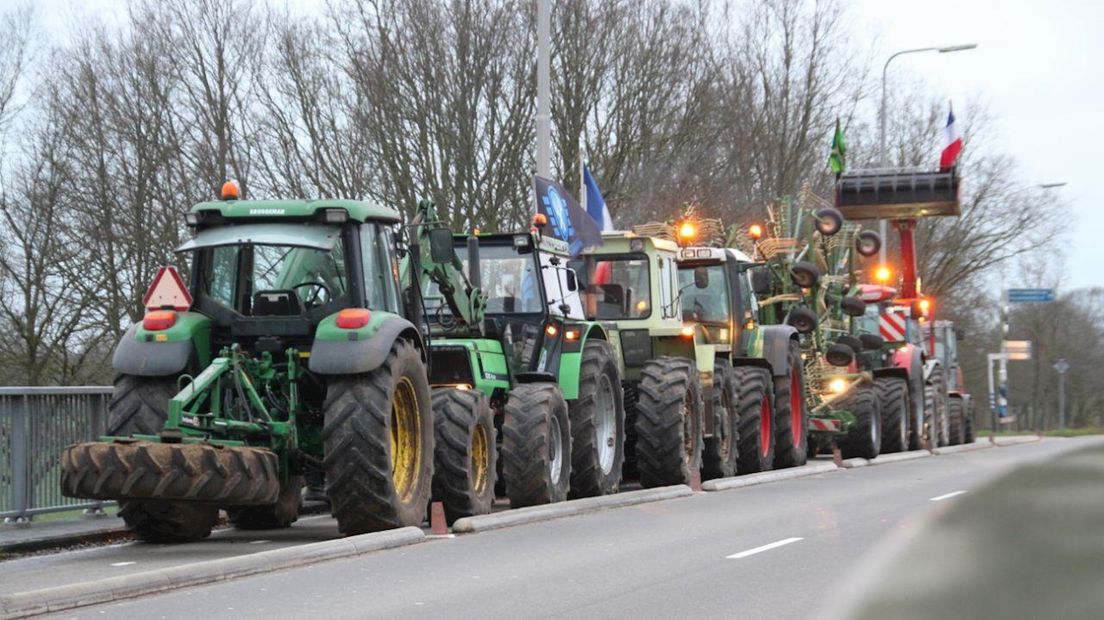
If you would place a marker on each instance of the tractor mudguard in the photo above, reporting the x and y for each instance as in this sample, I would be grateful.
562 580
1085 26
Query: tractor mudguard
776 347
900 373
909 357
145 353
572 357
357 351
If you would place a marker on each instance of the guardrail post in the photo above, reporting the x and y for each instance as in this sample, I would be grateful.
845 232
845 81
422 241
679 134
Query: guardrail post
21 471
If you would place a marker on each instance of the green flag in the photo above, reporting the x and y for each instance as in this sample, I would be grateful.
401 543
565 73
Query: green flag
839 150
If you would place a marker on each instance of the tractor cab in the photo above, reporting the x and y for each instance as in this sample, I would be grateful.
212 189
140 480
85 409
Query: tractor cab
717 295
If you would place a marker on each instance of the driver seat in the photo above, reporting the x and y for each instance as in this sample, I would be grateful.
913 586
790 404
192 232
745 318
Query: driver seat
277 302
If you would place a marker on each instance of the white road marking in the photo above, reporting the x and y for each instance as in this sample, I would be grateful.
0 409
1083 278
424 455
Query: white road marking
940 498
259 542
122 563
773 545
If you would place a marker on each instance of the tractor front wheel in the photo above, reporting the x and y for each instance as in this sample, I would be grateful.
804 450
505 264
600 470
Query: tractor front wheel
955 414
465 455
378 439
597 423
273 516
668 427
756 408
894 403
864 438
536 445
721 450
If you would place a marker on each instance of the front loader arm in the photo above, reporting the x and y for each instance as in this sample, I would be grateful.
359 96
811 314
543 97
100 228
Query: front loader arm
463 295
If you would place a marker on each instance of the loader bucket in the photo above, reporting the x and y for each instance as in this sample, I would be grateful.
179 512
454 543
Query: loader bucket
146 470
897 194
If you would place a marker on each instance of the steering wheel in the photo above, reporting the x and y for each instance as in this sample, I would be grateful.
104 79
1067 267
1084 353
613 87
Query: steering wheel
314 298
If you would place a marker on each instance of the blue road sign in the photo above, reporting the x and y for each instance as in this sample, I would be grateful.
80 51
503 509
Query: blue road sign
1030 295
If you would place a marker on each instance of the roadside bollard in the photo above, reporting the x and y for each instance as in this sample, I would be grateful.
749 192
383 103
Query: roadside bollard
437 524
695 481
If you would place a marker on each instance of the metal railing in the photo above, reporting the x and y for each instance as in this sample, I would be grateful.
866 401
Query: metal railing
36 424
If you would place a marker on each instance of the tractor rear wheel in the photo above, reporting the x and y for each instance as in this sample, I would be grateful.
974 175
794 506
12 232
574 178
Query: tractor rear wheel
378 439
893 401
864 438
917 394
465 454
597 423
273 516
140 405
935 410
968 424
536 445
791 424
955 413
669 422
721 450
756 408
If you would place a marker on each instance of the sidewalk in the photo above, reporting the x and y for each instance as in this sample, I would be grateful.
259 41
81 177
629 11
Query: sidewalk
60 532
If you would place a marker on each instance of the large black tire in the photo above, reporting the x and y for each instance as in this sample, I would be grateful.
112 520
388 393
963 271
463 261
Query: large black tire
791 419
465 455
169 522
631 393
935 409
669 424
956 427
140 406
968 424
918 408
366 417
756 409
597 423
893 401
721 451
864 438
536 445
273 516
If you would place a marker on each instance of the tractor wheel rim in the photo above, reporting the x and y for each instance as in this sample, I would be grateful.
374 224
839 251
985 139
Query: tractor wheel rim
797 409
406 449
480 463
605 424
555 449
765 433
874 434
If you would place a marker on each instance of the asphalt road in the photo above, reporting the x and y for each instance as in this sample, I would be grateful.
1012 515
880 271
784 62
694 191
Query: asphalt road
779 550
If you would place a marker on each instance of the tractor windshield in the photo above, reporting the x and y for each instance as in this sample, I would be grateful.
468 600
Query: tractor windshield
273 280
710 304
619 287
509 279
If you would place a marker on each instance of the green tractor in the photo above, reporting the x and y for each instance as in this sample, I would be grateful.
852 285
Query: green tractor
744 435
630 285
295 355
533 364
809 281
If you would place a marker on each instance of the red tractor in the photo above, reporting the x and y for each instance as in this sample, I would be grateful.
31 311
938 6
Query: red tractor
938 412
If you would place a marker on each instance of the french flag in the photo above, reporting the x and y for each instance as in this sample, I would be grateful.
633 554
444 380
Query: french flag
952 143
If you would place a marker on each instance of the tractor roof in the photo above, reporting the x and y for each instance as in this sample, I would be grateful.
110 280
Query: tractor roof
358 210
620 241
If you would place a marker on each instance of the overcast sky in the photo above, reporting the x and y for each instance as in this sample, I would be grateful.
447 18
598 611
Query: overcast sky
1039 67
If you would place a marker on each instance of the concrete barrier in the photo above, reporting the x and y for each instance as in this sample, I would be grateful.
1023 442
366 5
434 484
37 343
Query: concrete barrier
738 482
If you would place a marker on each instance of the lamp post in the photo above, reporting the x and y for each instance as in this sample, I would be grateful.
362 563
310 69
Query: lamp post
883 155
544 94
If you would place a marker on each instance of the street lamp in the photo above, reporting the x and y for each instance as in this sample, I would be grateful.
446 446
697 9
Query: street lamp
884 156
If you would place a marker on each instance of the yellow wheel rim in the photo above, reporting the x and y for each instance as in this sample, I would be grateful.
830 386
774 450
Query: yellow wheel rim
406 447
479 460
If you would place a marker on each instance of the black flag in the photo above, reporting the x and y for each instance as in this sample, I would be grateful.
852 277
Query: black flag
567 220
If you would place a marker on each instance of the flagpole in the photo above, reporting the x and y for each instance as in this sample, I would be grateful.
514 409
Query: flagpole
544 89
582 174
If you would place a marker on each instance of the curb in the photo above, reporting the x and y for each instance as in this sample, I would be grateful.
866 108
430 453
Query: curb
853 463
966 447
886 459
724 484
1015 441
59 598
65 540
532 514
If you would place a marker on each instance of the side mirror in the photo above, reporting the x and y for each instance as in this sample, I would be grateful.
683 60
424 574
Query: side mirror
701 277
572 281
441 250
761 281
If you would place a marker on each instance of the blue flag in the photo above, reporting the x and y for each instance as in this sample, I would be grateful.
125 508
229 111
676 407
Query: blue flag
595 204
566 218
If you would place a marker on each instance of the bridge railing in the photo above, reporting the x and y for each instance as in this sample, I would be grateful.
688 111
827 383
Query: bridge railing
36 424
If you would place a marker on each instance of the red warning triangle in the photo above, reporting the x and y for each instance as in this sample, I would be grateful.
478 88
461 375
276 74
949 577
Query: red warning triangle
167 290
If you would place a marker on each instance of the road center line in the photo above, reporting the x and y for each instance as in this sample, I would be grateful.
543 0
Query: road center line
122 563
940 498
773 545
